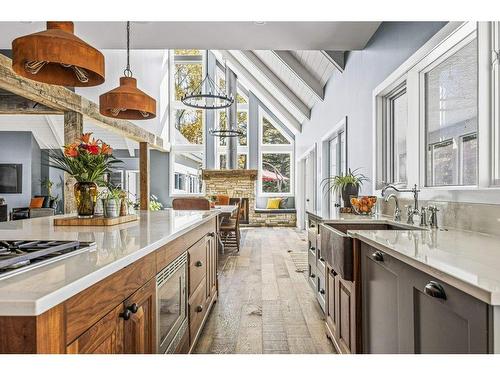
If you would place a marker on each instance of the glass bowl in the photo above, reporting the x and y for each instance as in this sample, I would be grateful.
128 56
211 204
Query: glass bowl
364 205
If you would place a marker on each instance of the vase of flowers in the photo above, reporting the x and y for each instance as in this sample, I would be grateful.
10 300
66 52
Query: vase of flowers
87 160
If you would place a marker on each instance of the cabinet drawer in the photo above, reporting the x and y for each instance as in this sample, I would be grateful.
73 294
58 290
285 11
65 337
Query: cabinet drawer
197 310
197 264
320 289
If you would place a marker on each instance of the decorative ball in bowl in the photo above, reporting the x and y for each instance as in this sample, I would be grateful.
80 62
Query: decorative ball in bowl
364 205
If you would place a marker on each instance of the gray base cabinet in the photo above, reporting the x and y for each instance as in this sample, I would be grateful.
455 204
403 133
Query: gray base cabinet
408 311
316 263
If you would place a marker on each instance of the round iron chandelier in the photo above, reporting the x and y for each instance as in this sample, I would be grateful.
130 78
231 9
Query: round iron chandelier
208 95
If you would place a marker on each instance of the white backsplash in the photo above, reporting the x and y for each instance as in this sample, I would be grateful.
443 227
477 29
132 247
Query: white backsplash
483 218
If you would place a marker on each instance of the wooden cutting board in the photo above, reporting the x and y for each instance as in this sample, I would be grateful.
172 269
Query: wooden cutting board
95 221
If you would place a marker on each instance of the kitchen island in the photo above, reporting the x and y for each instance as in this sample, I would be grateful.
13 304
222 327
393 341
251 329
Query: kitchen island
105 299
391 287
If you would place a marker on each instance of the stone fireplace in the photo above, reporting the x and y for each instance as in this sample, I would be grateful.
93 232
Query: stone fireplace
236 183
241 183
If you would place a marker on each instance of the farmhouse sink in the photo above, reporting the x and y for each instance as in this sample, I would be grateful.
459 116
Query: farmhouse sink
337 246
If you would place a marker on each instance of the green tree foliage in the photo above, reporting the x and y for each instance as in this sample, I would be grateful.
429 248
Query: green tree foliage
190 124
271 135
187 78
279 166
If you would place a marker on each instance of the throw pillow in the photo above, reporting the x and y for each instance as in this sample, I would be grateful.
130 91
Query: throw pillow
284 203
36 202
273 203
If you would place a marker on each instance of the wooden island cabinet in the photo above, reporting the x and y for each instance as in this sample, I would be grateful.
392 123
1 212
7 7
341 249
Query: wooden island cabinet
118 314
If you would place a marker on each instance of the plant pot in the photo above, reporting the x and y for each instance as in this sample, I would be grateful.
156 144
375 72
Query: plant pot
111 207
348 192
86 198
99 208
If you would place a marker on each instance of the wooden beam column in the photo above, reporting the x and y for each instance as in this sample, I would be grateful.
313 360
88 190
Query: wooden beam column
144 175
73 129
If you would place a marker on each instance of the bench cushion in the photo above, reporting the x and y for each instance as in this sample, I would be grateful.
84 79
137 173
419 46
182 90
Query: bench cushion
277 211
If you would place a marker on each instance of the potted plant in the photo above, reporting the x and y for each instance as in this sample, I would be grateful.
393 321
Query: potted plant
347 185
87 160
155 204
112 202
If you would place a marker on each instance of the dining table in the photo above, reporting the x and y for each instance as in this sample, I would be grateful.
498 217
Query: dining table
226 211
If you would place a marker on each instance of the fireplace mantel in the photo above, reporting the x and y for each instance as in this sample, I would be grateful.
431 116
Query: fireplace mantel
208 174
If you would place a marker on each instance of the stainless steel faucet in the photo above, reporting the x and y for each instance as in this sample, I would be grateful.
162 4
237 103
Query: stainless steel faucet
433 223
412 211
397 210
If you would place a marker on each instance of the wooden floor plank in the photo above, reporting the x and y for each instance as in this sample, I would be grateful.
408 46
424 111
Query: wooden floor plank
264 306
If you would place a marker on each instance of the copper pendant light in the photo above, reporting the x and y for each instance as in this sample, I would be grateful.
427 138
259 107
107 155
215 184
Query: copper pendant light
127 101
58 57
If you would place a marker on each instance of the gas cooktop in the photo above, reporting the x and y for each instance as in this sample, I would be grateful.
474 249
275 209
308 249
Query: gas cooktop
19 256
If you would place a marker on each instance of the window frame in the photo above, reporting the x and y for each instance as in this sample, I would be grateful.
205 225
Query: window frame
264 148
488 138
172 173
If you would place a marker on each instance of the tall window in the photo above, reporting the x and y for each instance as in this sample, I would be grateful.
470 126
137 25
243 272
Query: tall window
394 129
451 124
187 124
242 126
337 163
275 158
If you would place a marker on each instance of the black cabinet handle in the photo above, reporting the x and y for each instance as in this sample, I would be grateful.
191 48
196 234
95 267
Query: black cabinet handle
211 234
435 290
313 248
378 256
322 291
126 314
133 308
322 259
312 276
199 263
333 272
199 308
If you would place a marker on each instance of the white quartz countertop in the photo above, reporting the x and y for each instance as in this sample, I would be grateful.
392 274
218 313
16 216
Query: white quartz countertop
469 261
37 290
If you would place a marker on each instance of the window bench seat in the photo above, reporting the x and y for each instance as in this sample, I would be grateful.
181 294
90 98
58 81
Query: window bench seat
264 217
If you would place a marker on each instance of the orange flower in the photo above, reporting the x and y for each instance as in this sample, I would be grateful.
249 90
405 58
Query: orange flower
105 149
71 150
85 138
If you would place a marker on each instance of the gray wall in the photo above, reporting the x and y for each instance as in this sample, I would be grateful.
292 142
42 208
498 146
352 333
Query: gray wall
159 164
350 93
19 148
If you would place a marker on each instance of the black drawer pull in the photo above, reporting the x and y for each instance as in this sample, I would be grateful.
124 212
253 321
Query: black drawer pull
435 290
333 272
133 308
322 259
211 234
378 256
126 314
313 248
199 263
322 291
312 276
199 308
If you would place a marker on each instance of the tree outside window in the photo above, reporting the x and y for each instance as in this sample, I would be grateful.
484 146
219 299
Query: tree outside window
276 172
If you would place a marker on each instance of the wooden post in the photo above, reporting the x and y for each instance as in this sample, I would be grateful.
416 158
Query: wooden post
73 129
144 175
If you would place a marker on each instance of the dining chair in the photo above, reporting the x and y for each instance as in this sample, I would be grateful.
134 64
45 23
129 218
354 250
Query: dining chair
191 204
230 230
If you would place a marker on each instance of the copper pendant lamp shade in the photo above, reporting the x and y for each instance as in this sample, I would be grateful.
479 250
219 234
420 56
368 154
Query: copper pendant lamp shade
56 56
127 101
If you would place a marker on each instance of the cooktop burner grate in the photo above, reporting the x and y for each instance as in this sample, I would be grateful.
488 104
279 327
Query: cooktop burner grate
15 255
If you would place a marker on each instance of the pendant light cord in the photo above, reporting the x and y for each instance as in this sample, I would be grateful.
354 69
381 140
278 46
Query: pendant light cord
128 72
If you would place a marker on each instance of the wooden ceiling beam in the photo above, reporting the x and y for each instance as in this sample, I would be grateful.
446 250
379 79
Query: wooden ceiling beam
301 72
11 104
63 100
336 58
